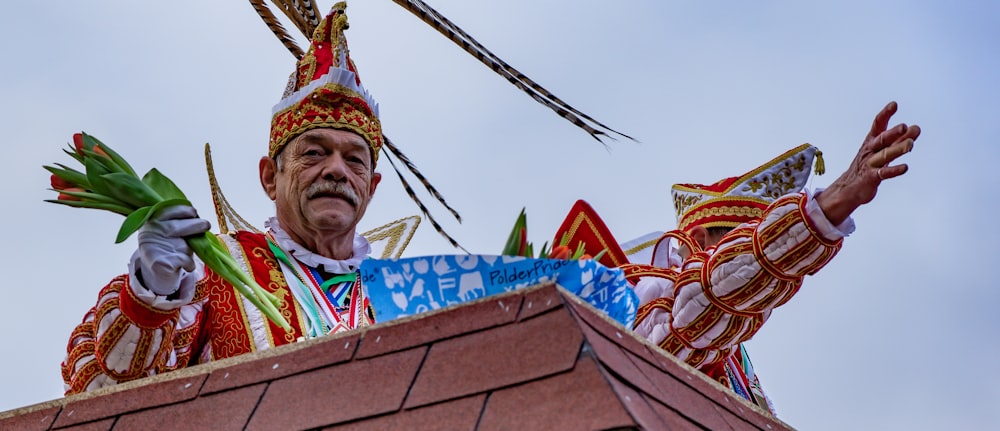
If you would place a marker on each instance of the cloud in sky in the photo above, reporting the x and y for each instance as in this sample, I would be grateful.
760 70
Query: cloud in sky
893 334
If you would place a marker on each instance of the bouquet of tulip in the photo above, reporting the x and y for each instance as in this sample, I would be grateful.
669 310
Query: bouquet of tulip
518 245
109 183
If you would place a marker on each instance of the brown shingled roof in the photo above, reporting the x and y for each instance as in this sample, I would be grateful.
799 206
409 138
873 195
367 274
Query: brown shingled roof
533 359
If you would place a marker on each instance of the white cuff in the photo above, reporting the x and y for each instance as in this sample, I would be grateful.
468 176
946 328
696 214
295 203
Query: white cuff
819 220
188 285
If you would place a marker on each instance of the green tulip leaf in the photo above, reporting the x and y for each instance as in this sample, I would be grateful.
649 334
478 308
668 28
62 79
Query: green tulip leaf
94 197
216 244
598 256
139 217
115 157
514 244
130 188
160 206
94 172
107 163
69 175
162 185
72 153
93 205
89 141
544 252
132 223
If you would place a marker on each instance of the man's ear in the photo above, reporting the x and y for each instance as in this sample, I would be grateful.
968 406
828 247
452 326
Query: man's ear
268 169
700 235
376 178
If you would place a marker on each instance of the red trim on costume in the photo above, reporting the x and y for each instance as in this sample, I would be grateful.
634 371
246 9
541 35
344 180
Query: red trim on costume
78 352
700 325
798 255
107 342
678 337
142 314
660 303
706 287
229 334
635 271
733 328
767 265
723 211
83 377
267 272
791 291
143 347
85 331
673 344
582 224
717 371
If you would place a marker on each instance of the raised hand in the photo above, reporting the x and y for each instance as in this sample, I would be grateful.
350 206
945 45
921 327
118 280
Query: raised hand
859 184
164 257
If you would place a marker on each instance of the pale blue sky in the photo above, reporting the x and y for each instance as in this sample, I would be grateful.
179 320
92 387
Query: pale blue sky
898 332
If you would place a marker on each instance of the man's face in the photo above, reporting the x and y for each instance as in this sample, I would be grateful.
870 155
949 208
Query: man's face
324 183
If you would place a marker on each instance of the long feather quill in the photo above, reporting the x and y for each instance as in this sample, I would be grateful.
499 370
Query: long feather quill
291 10
310 12
510 69
390 146
275 26
420 204
447 28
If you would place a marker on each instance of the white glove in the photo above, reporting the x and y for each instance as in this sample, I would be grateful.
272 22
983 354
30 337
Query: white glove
165 260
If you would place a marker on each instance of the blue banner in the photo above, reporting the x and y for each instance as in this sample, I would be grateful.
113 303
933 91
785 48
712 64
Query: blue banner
405 287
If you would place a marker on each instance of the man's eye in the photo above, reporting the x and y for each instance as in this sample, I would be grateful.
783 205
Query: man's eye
311 153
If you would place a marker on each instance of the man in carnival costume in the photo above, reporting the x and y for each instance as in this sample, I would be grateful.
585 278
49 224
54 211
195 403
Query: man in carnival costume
170 311
744 246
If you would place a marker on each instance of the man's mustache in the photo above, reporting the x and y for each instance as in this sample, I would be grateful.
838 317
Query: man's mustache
333 188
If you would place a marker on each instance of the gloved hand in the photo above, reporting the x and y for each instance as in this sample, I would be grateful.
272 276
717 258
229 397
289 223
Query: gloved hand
165 260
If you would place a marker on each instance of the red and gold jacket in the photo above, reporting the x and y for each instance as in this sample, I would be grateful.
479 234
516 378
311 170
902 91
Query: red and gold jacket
131 333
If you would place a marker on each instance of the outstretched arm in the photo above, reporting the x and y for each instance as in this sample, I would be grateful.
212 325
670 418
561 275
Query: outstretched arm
724 294
859 183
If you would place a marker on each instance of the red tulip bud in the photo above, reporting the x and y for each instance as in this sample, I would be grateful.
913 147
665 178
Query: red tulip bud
98 150
65 197
59 183
559 252
78 143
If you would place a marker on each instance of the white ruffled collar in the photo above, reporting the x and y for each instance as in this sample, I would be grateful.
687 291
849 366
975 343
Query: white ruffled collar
361 251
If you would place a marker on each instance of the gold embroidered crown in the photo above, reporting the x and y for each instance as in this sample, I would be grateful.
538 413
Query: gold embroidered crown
326 91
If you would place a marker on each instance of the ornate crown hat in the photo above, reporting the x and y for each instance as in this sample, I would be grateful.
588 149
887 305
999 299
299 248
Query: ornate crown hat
325 91
737 200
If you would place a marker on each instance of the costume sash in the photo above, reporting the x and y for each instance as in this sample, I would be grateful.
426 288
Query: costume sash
322 301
